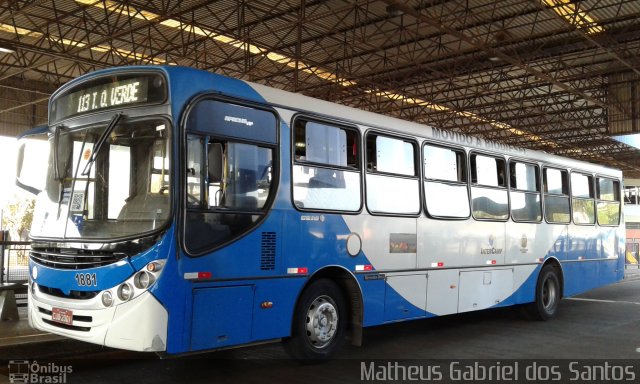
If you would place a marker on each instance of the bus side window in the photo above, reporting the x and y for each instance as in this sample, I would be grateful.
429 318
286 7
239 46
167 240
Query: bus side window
489 197
326 171
393 186
445 184
159 180
525 192
556 196
608 201
194 170
583 205
215 174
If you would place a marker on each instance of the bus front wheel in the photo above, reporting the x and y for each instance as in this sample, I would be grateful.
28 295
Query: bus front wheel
548 294
319 323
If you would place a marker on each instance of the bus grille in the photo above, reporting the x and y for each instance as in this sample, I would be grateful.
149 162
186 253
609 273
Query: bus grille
74 258
76 295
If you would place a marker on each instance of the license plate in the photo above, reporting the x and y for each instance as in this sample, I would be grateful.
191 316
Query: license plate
63 316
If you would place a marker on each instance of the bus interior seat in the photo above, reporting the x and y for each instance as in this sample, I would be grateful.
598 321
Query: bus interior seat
153 206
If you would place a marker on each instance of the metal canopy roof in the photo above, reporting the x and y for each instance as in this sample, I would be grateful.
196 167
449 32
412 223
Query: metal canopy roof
555 75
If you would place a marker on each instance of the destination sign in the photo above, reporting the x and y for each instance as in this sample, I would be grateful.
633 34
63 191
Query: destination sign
109 93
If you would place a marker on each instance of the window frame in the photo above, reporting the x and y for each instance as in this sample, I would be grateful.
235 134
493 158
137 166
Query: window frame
592 198
424 179
293 162
619 191
512 189
495 188
207 137
545 194
416 165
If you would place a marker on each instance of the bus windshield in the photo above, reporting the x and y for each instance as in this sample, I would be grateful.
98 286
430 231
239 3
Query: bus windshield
106 181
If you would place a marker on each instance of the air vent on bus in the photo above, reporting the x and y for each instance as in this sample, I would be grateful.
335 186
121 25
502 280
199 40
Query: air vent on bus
64 258
77 295
268 251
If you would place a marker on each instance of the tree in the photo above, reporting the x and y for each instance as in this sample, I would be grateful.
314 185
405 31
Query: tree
17 217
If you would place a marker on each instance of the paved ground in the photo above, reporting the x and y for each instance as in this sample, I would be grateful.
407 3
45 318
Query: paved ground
602 324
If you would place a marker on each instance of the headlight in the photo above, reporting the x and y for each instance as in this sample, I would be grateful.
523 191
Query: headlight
125 292
143 280
34 272
107 298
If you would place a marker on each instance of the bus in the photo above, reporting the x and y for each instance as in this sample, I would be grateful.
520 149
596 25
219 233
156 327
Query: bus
184 211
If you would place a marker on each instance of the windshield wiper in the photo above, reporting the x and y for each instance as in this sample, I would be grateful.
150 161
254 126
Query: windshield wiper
101 140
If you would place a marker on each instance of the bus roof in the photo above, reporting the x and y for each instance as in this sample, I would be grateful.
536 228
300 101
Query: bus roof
367 119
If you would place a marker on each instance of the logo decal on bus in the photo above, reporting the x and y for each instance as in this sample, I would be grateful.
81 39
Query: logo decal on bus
312 218
523 243
402 243
492 250
238 120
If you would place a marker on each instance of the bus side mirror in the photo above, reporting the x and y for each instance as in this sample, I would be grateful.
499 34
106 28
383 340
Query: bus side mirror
30 169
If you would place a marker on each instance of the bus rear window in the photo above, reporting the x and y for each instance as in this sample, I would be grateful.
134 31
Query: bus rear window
608 209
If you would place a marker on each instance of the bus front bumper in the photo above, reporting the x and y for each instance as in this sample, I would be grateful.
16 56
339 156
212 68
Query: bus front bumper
137 325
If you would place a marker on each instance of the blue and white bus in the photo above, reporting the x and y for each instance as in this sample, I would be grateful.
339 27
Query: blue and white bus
185 211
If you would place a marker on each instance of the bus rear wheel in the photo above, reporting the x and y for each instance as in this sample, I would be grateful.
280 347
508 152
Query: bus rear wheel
548 294
319 323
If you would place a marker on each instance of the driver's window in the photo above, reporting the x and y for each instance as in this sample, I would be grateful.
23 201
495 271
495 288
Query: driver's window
159 181
215 174
194 170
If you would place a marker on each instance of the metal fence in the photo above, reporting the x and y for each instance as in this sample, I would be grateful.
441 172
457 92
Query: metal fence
14 261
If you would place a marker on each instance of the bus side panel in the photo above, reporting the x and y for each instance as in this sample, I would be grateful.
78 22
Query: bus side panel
579 276
389 245
243 311
525 280
611 251
455 243
373 296
621 250
399 306
221 316
581 265
317 240
530 242
274 303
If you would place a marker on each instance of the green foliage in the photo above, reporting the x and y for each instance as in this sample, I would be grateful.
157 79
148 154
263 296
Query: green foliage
17 217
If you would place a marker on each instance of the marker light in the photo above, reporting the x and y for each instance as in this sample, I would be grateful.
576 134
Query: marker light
34 272
154 267
107 298
125 292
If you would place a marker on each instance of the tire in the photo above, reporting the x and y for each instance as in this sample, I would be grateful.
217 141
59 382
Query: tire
548 295
319 323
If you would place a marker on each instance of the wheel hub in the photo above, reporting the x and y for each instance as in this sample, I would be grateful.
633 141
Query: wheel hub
322 321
